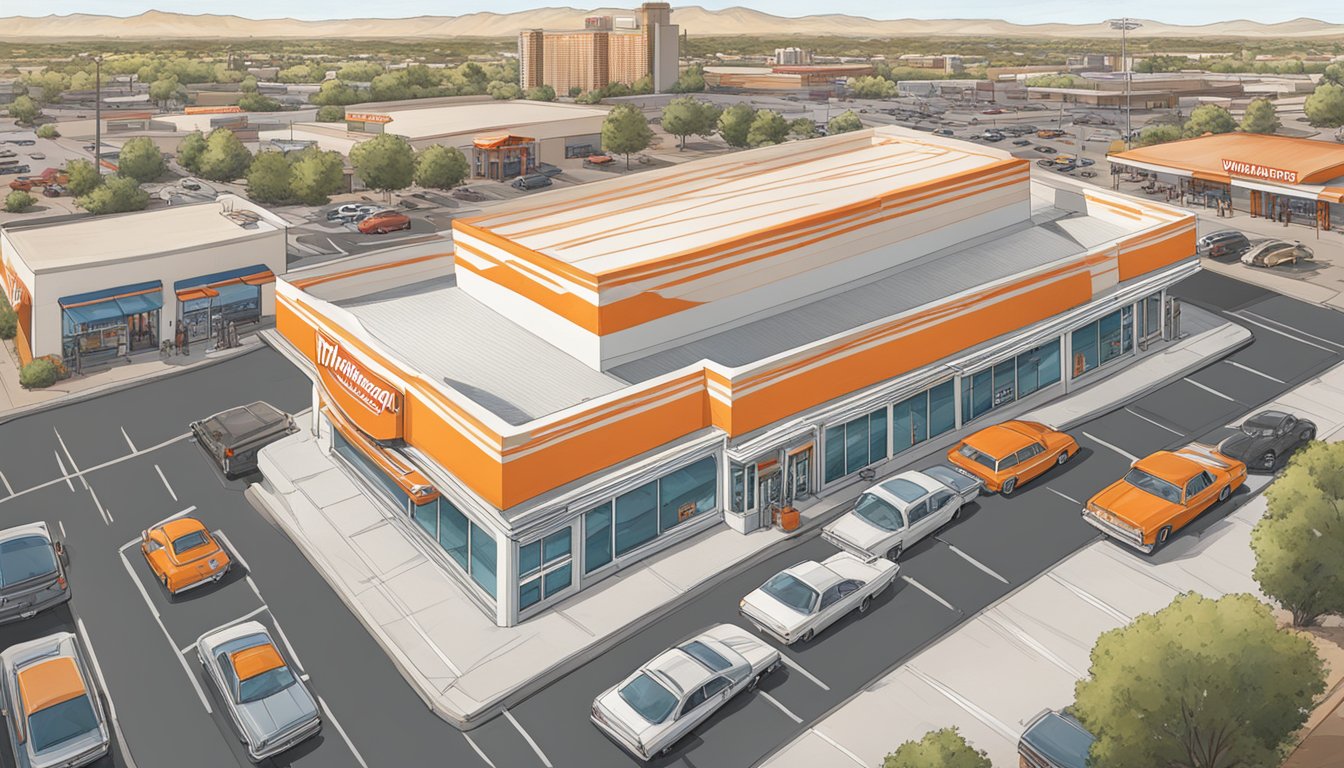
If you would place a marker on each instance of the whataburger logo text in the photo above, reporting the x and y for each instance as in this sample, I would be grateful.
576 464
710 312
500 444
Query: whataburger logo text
1259 171
371 393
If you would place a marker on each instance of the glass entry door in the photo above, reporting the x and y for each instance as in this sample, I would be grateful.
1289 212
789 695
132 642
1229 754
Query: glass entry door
800 474
770 495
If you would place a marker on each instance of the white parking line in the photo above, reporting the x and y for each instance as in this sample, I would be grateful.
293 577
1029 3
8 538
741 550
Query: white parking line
165 482
928 592
973 561
1294 329
796 667
779 706
65 473
250 614
509 715
66 477
155 613
1294 337
327 711
5 480
128 439
61 524
255 589
1208 389
1025 638
1091 599
966 704
234 551
838 746
1101 442
285 639
107 516
1064 496
1249 369
68 457
479 753
1157 424
111 703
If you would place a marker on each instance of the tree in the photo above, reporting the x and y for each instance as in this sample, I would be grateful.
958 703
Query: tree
255 102
439 167
141 159
316 175
1324 107
1299 543
116 195
626 130
18 201
1333 74
385 162
690 81
802 128
1158 134
164 89
1209 118
330 114
268 178
872 87
335 93
52 85
47 131
1260 117
944 748
734 123
359 71
248 84
541 93
189 151
225 158
688 116
24 110
767 127
503 91
844 123
83 177
1201 683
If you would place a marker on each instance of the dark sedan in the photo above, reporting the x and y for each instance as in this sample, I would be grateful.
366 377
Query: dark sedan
1268 438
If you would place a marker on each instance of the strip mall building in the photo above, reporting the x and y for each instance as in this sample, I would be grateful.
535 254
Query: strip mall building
1276 177
601 372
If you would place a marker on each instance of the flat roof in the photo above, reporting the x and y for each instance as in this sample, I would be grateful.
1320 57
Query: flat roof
107 239
478 117
608 226
1313 162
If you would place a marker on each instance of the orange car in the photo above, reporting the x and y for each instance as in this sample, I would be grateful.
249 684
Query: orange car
183 555
383 222
1009 454
1162 493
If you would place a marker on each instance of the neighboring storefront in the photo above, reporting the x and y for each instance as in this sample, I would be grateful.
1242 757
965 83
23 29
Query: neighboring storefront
110 323
209 303
503 157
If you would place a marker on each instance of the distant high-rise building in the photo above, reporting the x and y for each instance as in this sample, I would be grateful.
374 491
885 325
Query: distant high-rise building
529 58
621 49
792 57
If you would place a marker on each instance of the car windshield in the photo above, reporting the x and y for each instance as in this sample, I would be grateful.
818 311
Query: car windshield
1257 430
977 456
792 592
190 541
265 684
878 512
62 722
649 698
1154 485
706 655
24 558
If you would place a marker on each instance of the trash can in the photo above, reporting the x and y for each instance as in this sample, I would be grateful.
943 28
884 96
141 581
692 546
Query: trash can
788 519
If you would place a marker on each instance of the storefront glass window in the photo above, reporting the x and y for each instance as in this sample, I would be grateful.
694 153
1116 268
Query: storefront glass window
909 422
483 558
529 558
856 445
1085 354
636 517
942 408
546 566
558 579
1110 348
1102 341
852 446
597 538
687 492
529 594
744 487
453 532
427 517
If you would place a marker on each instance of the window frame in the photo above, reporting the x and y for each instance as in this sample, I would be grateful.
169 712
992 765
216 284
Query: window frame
540 575
908 513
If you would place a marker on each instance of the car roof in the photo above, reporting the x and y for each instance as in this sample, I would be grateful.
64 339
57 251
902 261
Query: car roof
1267 419
1002 439
255 660
1224 233
1170 466
1060 739
181 527
50 682
815 575
919 479
680 668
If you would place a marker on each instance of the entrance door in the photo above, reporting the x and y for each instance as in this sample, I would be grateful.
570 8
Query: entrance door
800 474
770 496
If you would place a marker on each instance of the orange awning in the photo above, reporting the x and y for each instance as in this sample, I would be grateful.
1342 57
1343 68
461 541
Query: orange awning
408 478
1332 195
260 278
495 142
201 292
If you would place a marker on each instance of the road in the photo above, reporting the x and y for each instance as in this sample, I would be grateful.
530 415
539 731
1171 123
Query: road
102 470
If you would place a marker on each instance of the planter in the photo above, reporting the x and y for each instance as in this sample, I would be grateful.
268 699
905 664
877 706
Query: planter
742 523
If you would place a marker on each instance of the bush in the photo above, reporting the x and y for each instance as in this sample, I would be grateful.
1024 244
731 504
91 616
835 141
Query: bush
47 131
330 114
18 202
38 374
9 320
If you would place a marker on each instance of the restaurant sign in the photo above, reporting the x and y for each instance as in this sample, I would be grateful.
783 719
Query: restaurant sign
1257 171
366 398
366 117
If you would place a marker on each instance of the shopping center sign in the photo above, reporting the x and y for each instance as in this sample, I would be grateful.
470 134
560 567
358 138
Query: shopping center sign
365 398
1257 171
366 117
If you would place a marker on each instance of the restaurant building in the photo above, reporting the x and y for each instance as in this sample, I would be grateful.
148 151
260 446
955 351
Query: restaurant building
601 372
97 289
1298 181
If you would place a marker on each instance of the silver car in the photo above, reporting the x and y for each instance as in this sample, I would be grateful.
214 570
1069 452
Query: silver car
1272 253
52 708
267 702
802 600
895 514
651 710
32 572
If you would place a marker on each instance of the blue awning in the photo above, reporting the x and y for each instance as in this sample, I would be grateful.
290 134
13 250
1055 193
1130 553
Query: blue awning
236 292
219 277
142 302
110 293
93 313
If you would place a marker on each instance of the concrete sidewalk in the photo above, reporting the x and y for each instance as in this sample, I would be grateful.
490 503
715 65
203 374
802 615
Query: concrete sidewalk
463 666
1024 654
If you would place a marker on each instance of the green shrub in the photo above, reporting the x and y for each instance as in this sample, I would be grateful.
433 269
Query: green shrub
9 320
38 374
18 201
47 131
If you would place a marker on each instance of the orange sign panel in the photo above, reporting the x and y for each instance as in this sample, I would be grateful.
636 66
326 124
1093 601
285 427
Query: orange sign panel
212 110
366 117
1257 171
373 404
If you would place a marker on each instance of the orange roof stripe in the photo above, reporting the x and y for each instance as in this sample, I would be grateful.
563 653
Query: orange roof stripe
49 683
1311 162
257 660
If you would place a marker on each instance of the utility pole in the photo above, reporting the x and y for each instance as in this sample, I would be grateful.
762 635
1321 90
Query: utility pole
97 112
1124 25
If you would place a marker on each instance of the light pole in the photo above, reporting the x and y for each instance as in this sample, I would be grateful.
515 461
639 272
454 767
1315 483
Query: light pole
97 111
1124 25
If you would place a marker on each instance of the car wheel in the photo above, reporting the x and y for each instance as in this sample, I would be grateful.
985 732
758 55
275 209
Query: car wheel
863 606
1164 534
807 636
1223 494
1308 435
894 553
1009 486
1063 457
1268 460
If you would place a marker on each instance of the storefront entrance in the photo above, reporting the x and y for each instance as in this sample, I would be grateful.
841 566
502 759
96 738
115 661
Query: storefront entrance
207 304
100 326
770 494
799 474
1289 210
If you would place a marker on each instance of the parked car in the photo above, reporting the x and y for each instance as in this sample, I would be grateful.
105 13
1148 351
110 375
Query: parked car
546 169
16 169
266 701
1045 163
8 153
1226 242
8 162
1009 454
531 181
1044 150
233 437
651 710
32 572
37 156
183 555
992 136
1162 493
383 222
1272 253
53 708
598 161
342 212
53 190
1064 168
1086 161
189 183
1049 133
893 515
1268 438
23 142
1054 740
1022 143
943 132
800 601
467 194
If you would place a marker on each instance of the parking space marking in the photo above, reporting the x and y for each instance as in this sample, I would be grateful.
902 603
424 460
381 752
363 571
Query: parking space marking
66 476
107 516
1249 369
236 554
1208 389
1294 329
280 631
928 592
69 458
1244 316
1026 639
780 707
1154 422
337 724
1064 496
967 705
838 746
61 524
509 716
111 703
255 589
239 620
796 667
128 439
973 561
1105 444
165 482
157 620
479 753
8 487
1090 599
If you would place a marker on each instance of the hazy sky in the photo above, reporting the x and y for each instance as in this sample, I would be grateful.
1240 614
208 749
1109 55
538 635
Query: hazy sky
1020 11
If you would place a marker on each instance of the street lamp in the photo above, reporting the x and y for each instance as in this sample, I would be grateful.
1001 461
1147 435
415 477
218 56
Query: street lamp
1124 25
97 111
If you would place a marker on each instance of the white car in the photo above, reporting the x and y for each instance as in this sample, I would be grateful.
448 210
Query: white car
649 711
52 708
798 602
895 514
